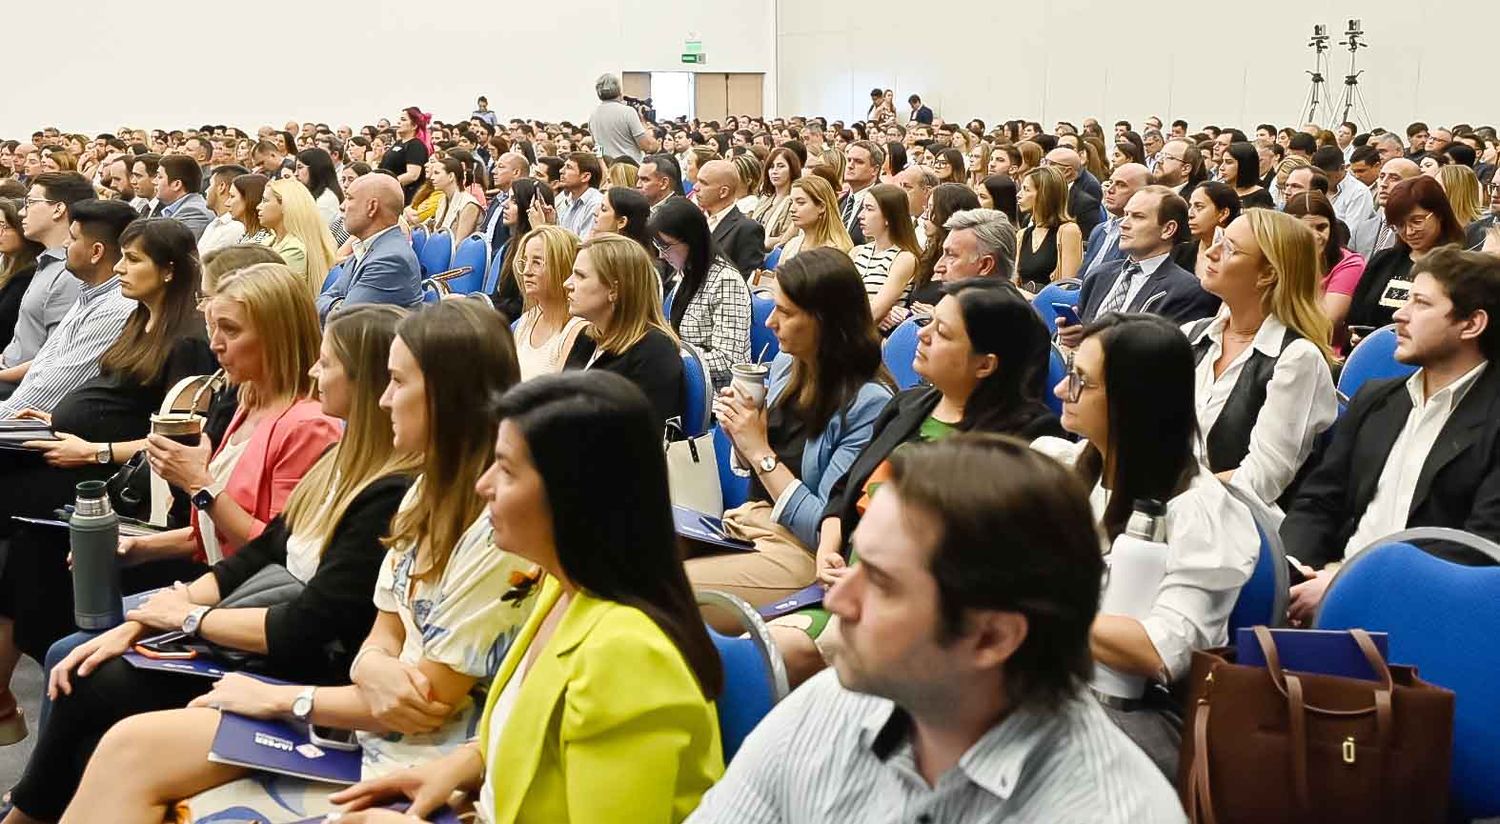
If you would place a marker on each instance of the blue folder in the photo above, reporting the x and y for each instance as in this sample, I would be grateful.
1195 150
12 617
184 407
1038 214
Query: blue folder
706 529
1319 651
280 747
203 665
810 596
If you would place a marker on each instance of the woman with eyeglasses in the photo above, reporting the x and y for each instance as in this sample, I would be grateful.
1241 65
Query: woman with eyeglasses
1419 210
710 305
948 165
546 332
983 358
1128 396
508 295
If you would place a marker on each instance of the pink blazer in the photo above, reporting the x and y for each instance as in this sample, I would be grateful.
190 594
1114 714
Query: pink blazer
278 455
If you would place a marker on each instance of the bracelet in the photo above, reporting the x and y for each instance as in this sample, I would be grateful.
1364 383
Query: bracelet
363 651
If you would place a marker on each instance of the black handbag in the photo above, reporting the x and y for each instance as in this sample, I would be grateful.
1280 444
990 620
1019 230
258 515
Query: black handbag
270 586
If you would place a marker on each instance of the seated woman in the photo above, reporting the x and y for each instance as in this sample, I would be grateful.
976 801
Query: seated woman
19 254
1419 212
546 332
984 359
627 212
316 171
443 619
1341 269
328 538
887 263
301 237
516 217
243 202
825 390
460 212
614 674
999 192
101 425
1239 167
614 288
1129 396
814 207
1050 248
773 209
1211 207
710 306
1264 389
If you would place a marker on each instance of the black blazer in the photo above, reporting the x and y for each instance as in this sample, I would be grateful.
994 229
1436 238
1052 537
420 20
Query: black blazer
653 363
10 301
742 240
856 229
1365 308
1085 209
899 423
1459 486
1172 292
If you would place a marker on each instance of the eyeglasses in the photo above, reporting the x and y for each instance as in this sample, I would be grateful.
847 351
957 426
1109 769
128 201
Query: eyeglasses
32 201
1076 383
1415 223
1173 157
662 248
1492 189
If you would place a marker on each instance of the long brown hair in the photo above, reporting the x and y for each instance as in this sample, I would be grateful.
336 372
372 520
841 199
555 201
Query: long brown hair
10 213
251 189
145 343
895 209
467 357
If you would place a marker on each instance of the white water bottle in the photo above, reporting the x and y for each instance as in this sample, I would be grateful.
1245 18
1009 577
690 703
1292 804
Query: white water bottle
1136 564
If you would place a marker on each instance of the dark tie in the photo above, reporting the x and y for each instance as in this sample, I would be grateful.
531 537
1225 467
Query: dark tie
847 213
1386 237
1116 300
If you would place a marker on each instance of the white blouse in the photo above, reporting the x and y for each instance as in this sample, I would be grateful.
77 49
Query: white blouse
1213 547
1300 403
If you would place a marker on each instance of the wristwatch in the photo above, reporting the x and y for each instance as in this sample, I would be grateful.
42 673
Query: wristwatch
105 454
768 463
203 499
194 620
302 705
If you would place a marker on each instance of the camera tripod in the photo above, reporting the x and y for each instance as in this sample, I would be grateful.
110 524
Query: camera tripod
1353 102
1316 101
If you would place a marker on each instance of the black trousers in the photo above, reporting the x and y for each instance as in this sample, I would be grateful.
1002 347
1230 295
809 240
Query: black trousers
110 694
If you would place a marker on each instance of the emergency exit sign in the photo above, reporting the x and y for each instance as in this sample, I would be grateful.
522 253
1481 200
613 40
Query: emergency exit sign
694 58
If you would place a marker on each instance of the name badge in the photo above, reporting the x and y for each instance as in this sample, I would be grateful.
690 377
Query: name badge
1397 293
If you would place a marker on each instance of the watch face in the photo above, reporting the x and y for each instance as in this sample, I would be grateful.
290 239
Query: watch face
204 499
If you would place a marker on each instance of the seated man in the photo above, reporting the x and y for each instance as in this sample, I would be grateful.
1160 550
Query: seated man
384 268
1145 280
178 181
70 357
740 238
1417 451
955 695
980 243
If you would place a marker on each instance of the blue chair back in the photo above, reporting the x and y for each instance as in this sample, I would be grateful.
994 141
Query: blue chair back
763 344
436 253
1063 291
900 349
734 489
1057 369
754 675
431 292
471 253
1373 359
492 272
333 276
773 259
1263 598
418 239
698 392
1441 618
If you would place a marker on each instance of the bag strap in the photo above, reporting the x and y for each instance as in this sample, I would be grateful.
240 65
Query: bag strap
1296 709
1200 803
1372 655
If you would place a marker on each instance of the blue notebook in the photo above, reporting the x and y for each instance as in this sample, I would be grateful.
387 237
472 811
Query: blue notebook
280 747
706 529
1320 651
806 597
442 816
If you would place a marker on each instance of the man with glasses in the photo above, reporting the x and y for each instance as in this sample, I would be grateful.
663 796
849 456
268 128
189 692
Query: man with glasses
1153 143
1174 169
1474 235
52 291
1374 234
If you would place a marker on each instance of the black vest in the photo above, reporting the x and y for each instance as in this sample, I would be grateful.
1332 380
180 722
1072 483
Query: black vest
1228 441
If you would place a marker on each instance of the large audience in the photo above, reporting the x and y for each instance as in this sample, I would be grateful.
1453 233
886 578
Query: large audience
435 364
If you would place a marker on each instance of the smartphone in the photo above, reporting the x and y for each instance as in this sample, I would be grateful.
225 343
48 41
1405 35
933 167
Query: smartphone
1067 313
167 646
1362 331
333 738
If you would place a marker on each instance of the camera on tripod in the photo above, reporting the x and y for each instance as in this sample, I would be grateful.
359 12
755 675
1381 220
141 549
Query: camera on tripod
1356 28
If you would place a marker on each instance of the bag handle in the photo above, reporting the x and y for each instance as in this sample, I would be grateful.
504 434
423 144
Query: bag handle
1200 801
1372 655
1296 709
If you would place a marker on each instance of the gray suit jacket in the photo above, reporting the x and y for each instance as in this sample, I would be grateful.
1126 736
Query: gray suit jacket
193 212
388 273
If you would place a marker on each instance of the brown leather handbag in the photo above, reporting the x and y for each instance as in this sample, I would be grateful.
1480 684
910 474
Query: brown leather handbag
1262 745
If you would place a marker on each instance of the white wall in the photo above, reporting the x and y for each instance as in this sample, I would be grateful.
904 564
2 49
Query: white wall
342 61
1239 63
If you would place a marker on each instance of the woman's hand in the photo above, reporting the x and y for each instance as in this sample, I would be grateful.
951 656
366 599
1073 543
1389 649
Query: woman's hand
166 610
67 452
377 816
894 318
87 656
243 695
185 467
35 415
399 695
540 213
743 423
1307 595
428 786
830 567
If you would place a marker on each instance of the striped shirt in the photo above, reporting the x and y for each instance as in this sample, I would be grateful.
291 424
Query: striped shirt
48 297
827 754
875 267
70 357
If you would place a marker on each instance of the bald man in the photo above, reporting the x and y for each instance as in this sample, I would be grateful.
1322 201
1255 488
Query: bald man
1083 198
740 238
1374 234
383 269
1104 242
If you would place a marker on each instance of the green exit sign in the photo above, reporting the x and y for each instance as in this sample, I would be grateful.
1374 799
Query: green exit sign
694 58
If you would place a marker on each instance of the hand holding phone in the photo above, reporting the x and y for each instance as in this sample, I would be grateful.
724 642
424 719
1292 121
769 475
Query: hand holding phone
1067 313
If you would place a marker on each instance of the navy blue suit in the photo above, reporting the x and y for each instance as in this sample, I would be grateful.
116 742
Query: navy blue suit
1171 291
1096 253
388 273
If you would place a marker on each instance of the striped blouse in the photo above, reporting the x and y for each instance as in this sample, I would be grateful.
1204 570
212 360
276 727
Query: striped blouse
829 754
875 267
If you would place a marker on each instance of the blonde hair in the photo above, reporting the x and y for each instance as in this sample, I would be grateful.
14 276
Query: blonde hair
623 266
282 313
835 160
360 338
221 262
829 230
1291 251
1050 207
980 170
621 174
1462 187
559 250
1288 165
300 217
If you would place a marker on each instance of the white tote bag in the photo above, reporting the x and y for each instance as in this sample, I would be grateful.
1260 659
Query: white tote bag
693 472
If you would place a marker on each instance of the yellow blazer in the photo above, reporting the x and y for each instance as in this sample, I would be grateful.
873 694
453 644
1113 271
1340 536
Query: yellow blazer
609 725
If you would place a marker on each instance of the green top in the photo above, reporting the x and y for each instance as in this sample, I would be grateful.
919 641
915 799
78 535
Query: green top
935 430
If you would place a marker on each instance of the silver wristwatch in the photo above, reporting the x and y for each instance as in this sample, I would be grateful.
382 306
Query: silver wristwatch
194 620
302 705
